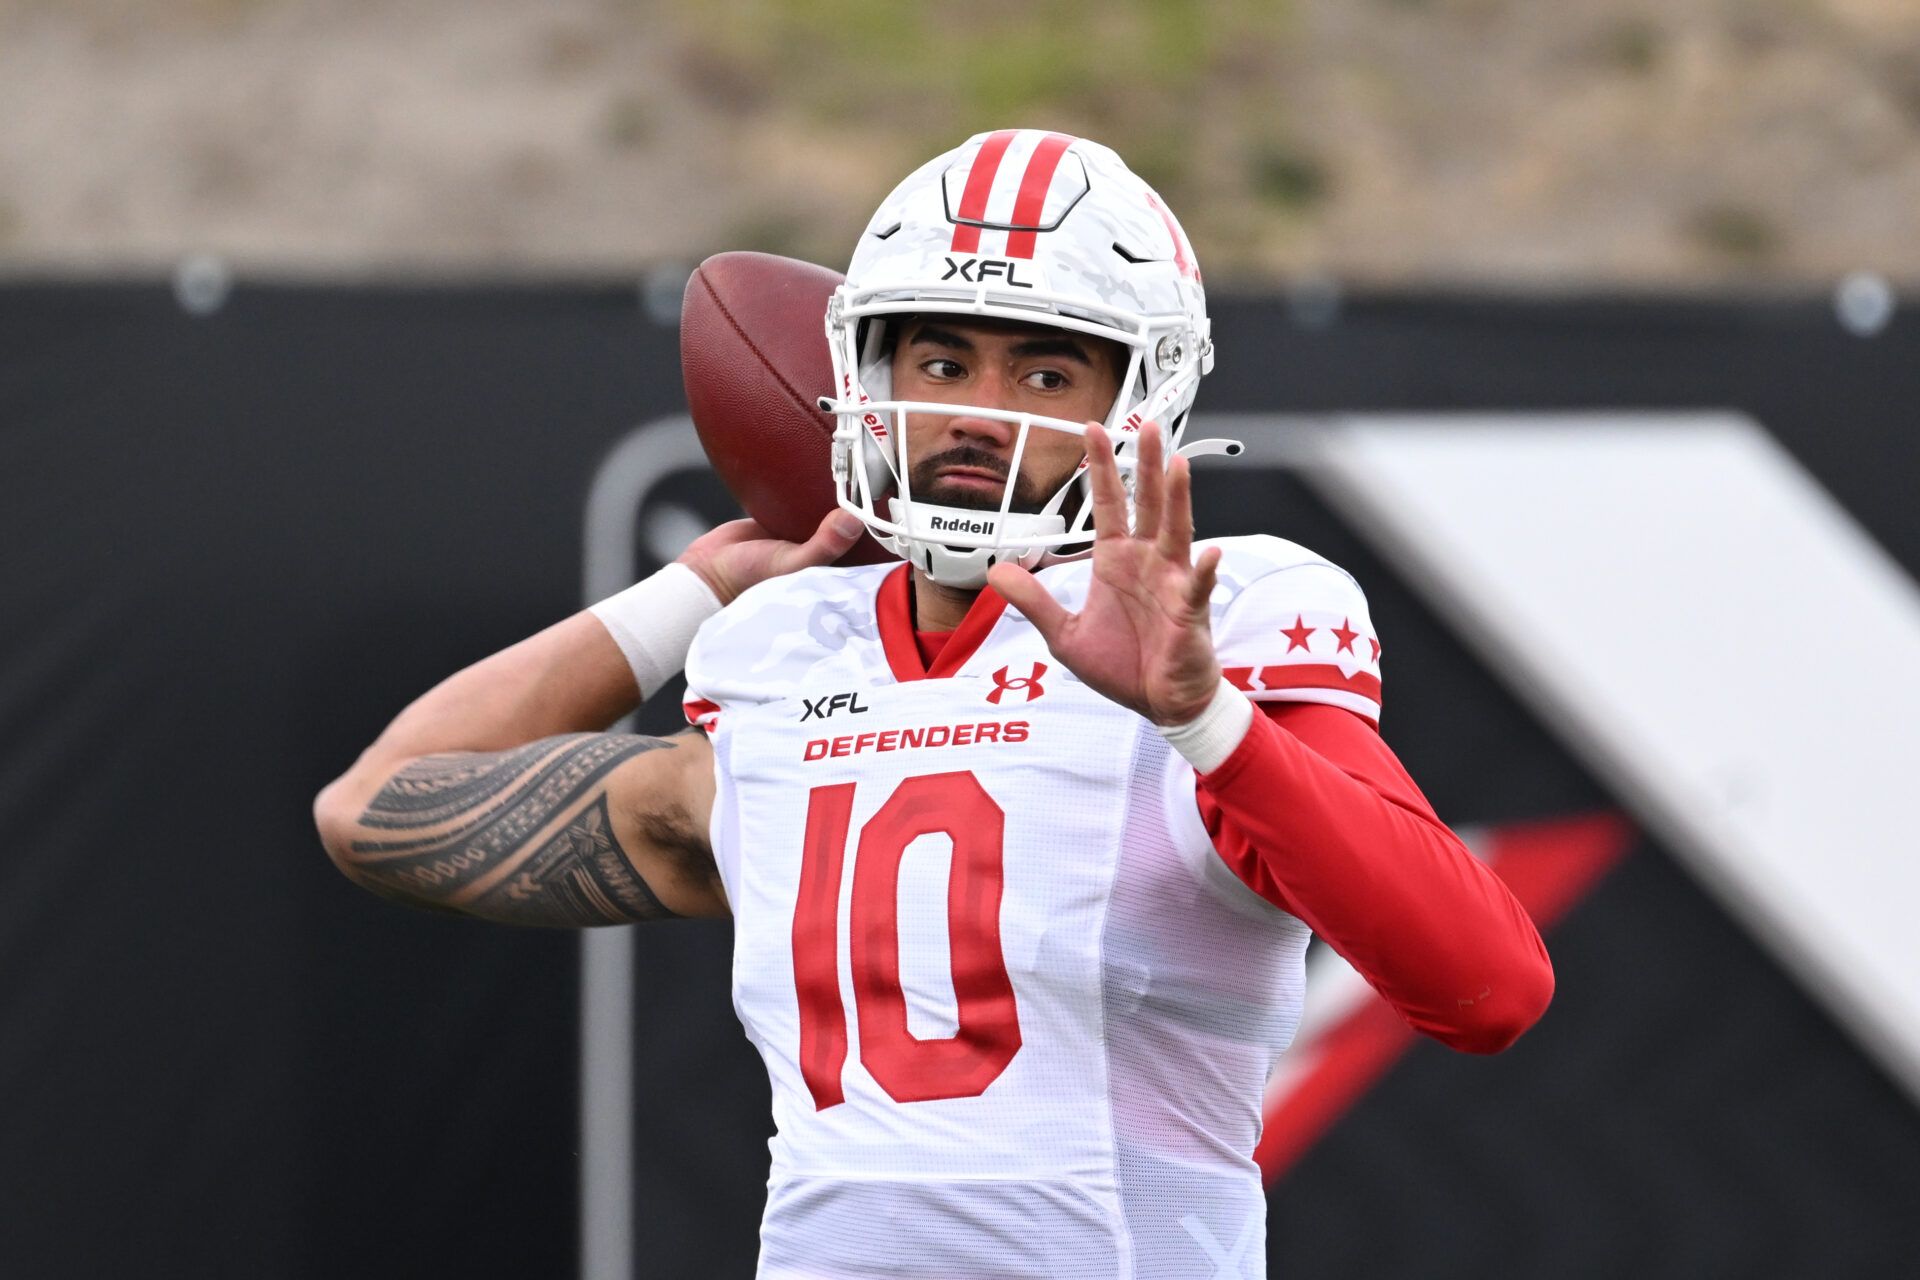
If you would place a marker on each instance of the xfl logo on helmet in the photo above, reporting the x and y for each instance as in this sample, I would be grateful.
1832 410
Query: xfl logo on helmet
981 270
1029 685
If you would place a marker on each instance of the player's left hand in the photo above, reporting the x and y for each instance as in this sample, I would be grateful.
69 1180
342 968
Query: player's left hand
1143 637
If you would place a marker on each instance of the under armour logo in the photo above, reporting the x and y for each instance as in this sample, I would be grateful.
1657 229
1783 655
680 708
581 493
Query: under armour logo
1030 685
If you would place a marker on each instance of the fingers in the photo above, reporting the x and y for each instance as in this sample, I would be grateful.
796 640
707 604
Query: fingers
1109 495
844 525
729 532
1162 496
1023 591
1149 484
1200 588
829 542
1176 514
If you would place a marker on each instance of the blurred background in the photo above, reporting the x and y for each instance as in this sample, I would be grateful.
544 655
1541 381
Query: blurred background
1690 145
322 323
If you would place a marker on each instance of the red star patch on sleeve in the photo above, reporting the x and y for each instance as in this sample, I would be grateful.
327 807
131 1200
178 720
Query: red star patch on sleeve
1376 648
1297 633
1347 635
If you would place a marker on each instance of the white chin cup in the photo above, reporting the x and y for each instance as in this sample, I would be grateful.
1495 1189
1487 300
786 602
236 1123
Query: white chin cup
962 566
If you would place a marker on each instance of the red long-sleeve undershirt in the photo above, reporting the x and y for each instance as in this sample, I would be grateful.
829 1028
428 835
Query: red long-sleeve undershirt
1315 813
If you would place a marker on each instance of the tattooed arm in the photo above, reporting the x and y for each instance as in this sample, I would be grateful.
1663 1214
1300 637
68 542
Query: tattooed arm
570 830
492 796
496 795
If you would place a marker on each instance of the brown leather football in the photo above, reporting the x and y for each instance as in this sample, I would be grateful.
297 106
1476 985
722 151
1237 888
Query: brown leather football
753 352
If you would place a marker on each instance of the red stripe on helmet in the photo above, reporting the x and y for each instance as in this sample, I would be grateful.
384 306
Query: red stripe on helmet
1181 261
1044 163
973 200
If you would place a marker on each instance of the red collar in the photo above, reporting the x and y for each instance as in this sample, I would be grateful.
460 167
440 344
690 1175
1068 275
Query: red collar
895 609
931 643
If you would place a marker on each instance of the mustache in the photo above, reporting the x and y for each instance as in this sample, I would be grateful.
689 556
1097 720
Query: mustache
964 455
1027 499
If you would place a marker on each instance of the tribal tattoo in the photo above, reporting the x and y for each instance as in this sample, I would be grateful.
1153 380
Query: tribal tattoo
523 836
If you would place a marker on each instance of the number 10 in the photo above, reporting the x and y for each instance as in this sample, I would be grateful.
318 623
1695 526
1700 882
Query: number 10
908 1068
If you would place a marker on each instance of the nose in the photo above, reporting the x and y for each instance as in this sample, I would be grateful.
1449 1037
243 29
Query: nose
993 433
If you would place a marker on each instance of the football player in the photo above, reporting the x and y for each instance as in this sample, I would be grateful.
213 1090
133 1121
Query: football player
1024 838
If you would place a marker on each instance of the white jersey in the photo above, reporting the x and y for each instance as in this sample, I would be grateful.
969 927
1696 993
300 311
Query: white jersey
1017 1013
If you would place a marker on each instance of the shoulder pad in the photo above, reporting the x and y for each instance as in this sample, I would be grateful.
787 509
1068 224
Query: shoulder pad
769 641
1290 625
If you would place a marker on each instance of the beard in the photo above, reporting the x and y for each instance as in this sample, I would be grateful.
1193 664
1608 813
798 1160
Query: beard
927 486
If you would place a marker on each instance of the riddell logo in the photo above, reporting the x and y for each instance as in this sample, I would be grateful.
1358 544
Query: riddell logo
943 525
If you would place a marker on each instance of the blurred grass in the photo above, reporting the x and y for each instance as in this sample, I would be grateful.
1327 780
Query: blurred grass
1163 81
917 65
1737 232
1370 139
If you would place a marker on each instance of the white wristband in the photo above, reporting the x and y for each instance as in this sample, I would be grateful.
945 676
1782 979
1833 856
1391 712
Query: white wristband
1210 737
653 622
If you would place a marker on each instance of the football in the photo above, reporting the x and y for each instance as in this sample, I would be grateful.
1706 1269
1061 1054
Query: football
753 353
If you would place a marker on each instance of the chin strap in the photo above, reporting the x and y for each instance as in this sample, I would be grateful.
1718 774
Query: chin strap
966 567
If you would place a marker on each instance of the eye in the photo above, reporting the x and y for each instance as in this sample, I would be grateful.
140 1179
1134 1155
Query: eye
942 369
1047 380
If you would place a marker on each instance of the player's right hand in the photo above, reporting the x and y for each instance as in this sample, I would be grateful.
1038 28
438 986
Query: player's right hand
1143 636
739 553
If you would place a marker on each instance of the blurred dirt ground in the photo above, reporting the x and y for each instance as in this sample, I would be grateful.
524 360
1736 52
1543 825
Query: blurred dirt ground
1577 143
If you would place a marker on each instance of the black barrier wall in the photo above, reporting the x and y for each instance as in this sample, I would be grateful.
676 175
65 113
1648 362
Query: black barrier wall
236 544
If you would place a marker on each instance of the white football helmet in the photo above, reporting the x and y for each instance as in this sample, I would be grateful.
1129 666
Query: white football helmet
1020 225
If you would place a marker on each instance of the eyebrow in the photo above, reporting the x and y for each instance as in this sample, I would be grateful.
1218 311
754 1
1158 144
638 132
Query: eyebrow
1062 346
